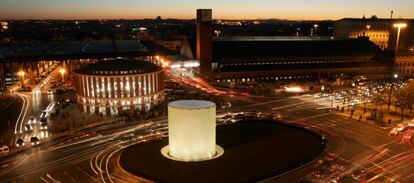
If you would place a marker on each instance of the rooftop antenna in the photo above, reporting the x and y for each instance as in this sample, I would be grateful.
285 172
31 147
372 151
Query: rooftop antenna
392 12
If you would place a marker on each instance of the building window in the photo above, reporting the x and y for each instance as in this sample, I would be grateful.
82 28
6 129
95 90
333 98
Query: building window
115 80
103 87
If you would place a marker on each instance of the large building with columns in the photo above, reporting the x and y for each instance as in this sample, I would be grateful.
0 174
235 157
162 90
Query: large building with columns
380 31
109 87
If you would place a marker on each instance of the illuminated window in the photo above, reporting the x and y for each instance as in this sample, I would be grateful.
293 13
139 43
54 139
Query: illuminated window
115 87
127 87
121 88
133 86
98 92
103 87
145 84
108 88
83 85
92 87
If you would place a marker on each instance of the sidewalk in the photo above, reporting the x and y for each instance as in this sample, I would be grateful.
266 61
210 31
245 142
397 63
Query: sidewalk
390 118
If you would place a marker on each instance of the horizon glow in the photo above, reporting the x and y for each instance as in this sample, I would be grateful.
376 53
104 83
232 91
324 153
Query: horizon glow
185 9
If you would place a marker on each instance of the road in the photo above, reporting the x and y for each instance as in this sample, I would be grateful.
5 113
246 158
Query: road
358 151
356 145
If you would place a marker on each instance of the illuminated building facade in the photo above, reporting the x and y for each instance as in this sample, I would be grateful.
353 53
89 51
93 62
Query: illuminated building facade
404 64
109 87
380 31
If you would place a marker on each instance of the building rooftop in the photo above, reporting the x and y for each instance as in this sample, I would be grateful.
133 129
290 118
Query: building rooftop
275 38
78 49
374 20
118 67
268 47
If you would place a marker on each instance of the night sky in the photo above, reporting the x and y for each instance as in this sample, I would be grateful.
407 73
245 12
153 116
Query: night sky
185 9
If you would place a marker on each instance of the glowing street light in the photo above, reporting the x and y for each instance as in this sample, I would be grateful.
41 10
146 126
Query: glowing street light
399 26
217 32
21 74
316 27
62 72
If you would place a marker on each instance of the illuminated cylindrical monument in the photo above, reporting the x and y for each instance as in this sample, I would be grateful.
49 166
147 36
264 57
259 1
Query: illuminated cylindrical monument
192 131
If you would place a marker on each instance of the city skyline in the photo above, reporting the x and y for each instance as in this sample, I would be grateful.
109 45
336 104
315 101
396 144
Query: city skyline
184 9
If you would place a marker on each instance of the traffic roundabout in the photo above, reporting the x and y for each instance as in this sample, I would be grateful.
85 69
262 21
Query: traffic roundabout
255 150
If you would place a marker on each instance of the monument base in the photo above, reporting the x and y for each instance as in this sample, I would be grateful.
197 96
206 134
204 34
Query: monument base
165 151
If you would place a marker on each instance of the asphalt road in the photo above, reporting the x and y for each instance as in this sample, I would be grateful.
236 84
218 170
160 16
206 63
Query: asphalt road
353 146
356 145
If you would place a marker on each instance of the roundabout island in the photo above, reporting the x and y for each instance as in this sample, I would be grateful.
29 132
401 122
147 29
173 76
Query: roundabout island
254 150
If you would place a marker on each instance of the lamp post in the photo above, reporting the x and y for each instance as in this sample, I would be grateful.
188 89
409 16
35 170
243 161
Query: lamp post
21 75
368 27
62 72
398 26
316 27
217 32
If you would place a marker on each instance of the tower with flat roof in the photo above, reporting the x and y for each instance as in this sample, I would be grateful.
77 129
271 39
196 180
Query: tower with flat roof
204 45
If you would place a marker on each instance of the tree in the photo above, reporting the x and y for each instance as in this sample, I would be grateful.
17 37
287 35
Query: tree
389 93
378 100
401 99
410 95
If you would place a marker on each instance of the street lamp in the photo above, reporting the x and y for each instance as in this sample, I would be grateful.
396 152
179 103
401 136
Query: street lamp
398 26
316 27
21 74
62 72
368 29
217 32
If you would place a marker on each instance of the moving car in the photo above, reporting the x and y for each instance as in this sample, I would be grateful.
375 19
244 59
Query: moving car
50 91
34 140
43 125
20 143
28 128
32 120
397 130
407 138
